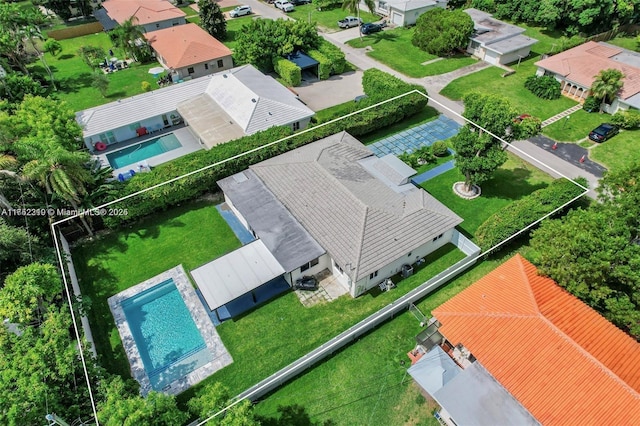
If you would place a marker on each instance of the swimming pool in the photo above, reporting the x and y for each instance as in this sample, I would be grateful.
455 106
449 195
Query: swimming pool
168 340
143 151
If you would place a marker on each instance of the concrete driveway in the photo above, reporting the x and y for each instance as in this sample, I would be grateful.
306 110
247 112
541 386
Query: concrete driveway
326 93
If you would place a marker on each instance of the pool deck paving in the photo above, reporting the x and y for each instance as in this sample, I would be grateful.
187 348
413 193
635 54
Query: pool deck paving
219 356
412 139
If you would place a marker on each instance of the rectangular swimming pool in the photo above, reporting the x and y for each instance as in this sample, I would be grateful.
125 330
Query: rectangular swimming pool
167 338
143 151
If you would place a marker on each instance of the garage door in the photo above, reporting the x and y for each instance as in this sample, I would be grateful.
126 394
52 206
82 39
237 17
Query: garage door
396 18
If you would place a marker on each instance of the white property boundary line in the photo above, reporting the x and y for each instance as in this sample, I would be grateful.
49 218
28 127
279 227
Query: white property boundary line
54 225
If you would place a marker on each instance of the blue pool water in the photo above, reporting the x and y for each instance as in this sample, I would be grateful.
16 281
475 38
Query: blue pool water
142 151
167 338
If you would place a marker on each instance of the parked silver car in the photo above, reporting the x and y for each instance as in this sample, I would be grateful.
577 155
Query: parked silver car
240 11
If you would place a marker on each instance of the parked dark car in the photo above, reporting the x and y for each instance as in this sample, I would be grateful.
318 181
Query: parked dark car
371 28
603 132
306 282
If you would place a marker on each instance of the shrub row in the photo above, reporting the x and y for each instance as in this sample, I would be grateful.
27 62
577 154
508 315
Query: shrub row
544 86
335 55
523 212
529 126
290 73
324 64
626 119
188 188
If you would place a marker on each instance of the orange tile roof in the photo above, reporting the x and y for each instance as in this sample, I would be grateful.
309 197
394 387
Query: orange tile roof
566 364
145 11
186 45
582 64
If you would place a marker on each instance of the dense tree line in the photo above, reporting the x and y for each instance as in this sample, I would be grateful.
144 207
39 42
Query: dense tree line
441 32
595 253
571 16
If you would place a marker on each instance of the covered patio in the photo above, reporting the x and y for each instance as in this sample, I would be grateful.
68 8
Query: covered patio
240 280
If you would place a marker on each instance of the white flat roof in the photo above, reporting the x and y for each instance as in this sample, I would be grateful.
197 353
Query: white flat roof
237 273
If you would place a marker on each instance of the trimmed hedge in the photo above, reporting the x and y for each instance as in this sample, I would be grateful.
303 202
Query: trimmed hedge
591 104
335 55
324 64
199 183
290 73
521 213
544 86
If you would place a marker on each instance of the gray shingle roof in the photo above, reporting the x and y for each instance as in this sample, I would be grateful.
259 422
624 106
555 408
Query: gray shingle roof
360 220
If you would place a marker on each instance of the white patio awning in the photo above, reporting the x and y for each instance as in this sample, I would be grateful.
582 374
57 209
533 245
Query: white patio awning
237 273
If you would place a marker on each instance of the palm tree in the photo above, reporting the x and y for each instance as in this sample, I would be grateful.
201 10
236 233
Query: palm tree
127 36
62 173
353 6
7 161
606 85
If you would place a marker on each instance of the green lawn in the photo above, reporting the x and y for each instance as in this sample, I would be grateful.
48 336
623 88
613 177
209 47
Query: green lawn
189 11
281 331
234 26
630 43
394 49
575 128
490 80
73 76
327 18
515 179
620 151
366 383
191 235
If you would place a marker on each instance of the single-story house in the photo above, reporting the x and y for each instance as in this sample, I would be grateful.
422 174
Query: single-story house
151 15
404 12
577 68
188 51
217 108
497 42
560 360
339 207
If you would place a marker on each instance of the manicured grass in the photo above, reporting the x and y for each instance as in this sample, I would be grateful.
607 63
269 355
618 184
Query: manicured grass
234 26
73 76
191 235
447 65
188 10
575 128
424 116
515 179
327 18
194 19
394 48
630 43
490 80
587 143
366 383
620 151
283 330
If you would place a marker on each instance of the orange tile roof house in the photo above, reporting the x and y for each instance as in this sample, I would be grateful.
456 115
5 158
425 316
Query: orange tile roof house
561 360
577 68
189 51
150 14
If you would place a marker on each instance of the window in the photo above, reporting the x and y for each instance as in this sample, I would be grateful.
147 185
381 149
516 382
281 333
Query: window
134 126
409 255
190 70
438 237
220 63
157 25
308 265
107 138
296 126
338 267
206 66
373 275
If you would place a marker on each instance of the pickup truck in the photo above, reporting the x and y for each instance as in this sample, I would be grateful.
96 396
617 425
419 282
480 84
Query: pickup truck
349 22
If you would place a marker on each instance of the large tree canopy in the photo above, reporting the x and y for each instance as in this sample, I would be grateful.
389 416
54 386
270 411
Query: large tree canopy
595 253
262 39
440 31
212 19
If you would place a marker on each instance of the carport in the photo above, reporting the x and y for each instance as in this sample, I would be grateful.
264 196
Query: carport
240 280
305 62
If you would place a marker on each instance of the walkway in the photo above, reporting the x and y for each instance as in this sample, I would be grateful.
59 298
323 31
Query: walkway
560 116
436 171
415 138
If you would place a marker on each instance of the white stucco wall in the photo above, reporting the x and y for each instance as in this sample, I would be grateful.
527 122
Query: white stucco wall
515 56
201 70
160 25
128 132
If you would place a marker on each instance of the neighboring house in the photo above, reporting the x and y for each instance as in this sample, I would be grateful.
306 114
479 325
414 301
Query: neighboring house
497 42
217 108
151 15
404 12
562 362
577 68
362 211
188 51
